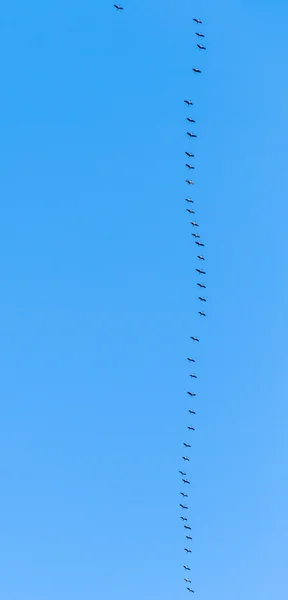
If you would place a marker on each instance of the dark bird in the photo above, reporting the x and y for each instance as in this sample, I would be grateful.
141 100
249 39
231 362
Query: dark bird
198 21
195 235
202 299
191 360
200 244
200 34
189 181
195 339
189 200
188 102
189 166
192 212
193 375
196 70
201 285
190 120
187 580
191 412
189 154
188 527
184 495
201 271
191 428
188 550
201 313
186 568
186 481
190 590
186 446
183 506
201 47
186 458
118 7
192 394
191 134
194 223
182 473
184 519
200 257
188 537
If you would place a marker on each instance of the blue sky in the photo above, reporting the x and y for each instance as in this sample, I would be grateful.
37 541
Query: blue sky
99 299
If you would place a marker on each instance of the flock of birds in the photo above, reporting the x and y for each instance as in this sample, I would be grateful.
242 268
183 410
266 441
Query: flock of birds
200 272
202 299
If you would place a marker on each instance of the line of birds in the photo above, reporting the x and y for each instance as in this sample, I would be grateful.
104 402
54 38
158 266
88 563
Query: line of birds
187 445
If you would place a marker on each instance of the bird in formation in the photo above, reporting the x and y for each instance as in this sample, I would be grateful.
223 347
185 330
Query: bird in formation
196 70
201 47
201 285
191 135
189 154
195 339
198 21
118 7
192 212
188 102
189 200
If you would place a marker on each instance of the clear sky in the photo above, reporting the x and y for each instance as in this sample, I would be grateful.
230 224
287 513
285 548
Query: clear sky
99 298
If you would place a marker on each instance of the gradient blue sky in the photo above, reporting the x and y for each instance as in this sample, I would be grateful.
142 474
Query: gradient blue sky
98 299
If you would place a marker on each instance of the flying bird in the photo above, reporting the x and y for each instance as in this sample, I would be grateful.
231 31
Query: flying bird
186 446
200 34
191 134
189 154
188 527
189 181
184 519
190 590
200 244
202 299
189 166
195 339
184 495
192 212
192 412
189 200
196 70
190 120
194 223
201 313
201 285
186 568
192 394
200 257
182 473
187 459
191 359
201 271
195 235
183 506
186 481
198 21
187 580
193 375
118 7
188 550
188 537
201 47
188 102
191 428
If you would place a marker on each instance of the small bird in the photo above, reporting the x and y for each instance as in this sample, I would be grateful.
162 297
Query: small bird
184 519
188 537
201 271
194 223
189 181
191 411
200 34
201 47
198 21
188 102
192 212
187 580
186 446
118 7
202 299
195 235
192 394
201 285
196 70
186 568
183 506
186 458
191 428
195 339
191 359
189 154
190 120
191 135
182 473
201 313
184 495
200 257
186 481
188 550
189 166
190 590
188 527
200 244
189 200
193 375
